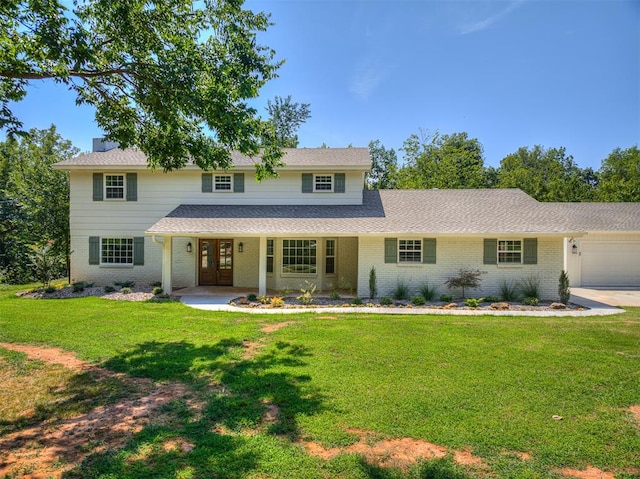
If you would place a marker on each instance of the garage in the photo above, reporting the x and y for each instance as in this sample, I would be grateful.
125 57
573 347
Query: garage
610 263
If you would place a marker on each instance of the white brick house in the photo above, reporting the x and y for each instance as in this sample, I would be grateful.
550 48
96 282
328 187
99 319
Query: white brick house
314 223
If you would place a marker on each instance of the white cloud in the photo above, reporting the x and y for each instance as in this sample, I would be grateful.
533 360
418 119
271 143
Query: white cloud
490 20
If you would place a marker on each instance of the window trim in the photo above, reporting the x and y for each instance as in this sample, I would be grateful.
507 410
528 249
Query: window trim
130 264
271 256
506 251
409 251
216 183
331 177
124 187
286 256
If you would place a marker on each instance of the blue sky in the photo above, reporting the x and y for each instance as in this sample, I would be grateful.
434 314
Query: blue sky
509 73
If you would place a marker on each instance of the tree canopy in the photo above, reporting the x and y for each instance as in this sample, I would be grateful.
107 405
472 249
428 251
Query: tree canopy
384 167
168 76
286 117
619 176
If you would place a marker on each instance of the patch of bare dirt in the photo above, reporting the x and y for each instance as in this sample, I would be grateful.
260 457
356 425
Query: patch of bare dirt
635 410
273 327
51 447
588 473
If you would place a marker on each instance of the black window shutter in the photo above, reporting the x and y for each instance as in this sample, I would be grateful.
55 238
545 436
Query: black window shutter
340 183
490 251
97 187
138 250
307 183
132 186
238 183
530 251
207 182
429 251
94 250
390 250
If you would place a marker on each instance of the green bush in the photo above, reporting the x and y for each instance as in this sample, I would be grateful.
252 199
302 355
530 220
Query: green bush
490 299
307 290
252 297
564 293
356 301
472 302
428 292
530 301
50 289
401 292
509 290
126 284
386 301
264 299
157 290
80 286
418 300
530 287
446 298
373 283
334 295
109 289
126 290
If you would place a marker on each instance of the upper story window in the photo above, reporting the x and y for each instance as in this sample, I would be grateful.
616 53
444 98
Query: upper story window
116 251
323 183
114 187
509 251
222 183
410 251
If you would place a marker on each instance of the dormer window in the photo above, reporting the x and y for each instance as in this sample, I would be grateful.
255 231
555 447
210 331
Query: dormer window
323 183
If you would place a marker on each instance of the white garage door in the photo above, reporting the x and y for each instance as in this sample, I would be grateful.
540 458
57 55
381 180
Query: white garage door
610 263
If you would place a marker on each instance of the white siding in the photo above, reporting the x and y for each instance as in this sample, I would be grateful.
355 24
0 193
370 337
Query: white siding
452 255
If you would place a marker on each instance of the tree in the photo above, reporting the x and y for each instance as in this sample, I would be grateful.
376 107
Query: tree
442 161
35 199
161 74
546 175
285 118
384 167
619 176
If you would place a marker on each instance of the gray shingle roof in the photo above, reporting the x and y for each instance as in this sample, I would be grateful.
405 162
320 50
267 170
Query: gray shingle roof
293 157
432 212
603 216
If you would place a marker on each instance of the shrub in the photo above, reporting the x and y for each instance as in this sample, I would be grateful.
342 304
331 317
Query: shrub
428 292
472 302
157 290
109 289
401 291
418 300
50 289
446 298
334 295
530 287
490 299
157 283
79 286
345 285
46 262
530 301
285 291
356 301
386 301
126 284
564 293
509 290
277 302
252 297
125 290
373 283
467 278
307 290
263 299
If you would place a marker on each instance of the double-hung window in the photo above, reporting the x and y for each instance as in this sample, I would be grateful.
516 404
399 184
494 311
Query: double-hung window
299 256
323 183
222 183
114 251
330 256
114 187
509 252
410 251
270 251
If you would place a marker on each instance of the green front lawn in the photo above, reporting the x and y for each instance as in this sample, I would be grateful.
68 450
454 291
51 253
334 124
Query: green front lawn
486 385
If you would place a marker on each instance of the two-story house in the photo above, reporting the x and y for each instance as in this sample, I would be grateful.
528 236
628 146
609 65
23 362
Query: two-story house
316 222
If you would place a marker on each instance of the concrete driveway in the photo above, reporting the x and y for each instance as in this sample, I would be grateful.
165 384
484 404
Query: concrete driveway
610 297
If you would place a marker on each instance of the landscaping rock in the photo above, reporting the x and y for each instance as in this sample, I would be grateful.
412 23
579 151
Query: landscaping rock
500 306
558 306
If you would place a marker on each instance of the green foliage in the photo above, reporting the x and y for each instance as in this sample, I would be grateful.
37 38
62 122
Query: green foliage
109 289
619 176
46 262
286 118
401 292
384 167
386 301
509 290
428 292
490 299
126 290
564 292
467 278
157 290
530 287
162 75
307 290
446 298
334 295
531 300
277 302
418 300
373 283
34 201
472 302
252 297
356 301
264 299
125 284
79 286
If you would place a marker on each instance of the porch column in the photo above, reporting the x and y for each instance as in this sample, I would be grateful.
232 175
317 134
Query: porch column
262 267
167 260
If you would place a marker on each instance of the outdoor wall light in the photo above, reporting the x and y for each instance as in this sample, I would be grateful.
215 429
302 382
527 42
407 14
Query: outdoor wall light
189 247
574 248
240 247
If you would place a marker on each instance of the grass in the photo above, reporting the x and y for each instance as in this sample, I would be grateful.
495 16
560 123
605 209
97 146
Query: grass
487 384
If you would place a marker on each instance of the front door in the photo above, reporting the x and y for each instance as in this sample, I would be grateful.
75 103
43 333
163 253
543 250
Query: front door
216 262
